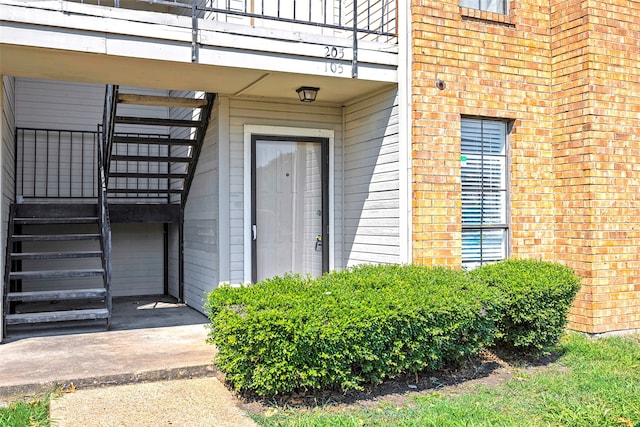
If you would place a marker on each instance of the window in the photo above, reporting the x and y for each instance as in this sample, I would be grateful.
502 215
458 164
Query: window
484 191
497 6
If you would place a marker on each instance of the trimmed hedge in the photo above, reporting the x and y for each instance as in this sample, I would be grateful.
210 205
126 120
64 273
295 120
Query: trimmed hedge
535 297
347 328
374 322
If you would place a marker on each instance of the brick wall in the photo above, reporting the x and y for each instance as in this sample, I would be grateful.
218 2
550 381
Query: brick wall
494 66
596 78
567 74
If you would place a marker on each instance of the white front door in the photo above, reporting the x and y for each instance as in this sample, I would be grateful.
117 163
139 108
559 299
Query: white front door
288 212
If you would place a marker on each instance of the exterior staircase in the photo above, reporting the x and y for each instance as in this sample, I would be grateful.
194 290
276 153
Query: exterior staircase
144 167
58 258
64 285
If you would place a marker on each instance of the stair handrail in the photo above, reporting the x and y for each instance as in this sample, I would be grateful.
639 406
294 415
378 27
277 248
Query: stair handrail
108 126
104 140
200 134
7 270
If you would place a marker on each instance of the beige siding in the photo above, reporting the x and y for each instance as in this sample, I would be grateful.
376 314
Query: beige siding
371 181
201 223
274 113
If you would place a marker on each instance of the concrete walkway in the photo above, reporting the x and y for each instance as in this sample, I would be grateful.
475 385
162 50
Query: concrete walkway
153 365
202 402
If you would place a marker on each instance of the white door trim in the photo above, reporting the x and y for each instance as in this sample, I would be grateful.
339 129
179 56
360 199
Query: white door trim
283 131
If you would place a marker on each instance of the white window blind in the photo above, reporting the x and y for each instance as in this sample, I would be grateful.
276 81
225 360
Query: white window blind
497 6
484 191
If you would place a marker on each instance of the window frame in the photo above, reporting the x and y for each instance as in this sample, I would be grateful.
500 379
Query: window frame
505 178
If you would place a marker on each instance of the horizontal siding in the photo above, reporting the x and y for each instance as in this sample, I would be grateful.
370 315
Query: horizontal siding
173 267
371 181
201 222
137 259
49 104
52 104
274 113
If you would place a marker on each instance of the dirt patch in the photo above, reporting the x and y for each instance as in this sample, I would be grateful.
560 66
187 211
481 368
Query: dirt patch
489 368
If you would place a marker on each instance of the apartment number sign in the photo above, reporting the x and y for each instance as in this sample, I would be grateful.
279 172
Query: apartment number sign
333 55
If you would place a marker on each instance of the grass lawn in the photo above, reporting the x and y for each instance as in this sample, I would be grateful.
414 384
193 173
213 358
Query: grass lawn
595 382
32 412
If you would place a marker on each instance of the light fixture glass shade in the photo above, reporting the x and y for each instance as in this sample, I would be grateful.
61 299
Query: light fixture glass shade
307 93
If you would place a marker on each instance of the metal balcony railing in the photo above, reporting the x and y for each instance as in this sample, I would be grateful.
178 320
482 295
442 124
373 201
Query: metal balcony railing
52 163
373 17
63 164
372 20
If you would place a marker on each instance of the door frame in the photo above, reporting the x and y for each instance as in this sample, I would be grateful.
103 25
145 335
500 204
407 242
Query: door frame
324 194
288 133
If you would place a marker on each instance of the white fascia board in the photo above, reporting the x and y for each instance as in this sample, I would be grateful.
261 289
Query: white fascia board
147 49
62 38
319 47
291 63
405 146
96 24
273 34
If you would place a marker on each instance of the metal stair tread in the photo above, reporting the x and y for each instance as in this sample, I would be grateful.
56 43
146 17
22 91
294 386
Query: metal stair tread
57 316
156 121
151 140
55 274
64 294
57 220
55 255
147 175
157 159
144 191
55 237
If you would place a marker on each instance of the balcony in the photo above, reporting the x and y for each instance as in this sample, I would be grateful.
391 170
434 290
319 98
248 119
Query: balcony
376 19
224 46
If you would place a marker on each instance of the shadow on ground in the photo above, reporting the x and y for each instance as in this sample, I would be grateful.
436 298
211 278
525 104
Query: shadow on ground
490 368
129 313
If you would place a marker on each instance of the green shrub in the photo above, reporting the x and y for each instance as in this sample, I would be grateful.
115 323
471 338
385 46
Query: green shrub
347 328
535 297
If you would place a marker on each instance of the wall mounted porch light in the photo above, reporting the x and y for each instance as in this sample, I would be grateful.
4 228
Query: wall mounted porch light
307 93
